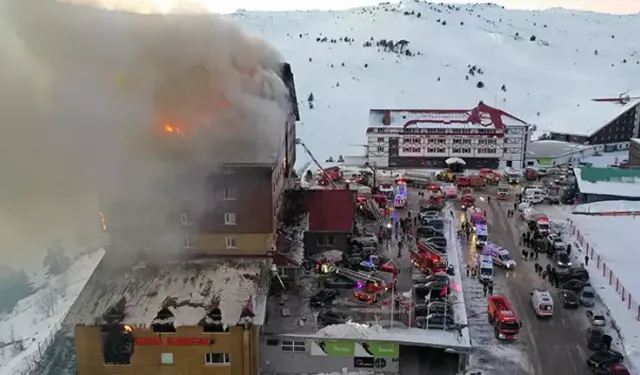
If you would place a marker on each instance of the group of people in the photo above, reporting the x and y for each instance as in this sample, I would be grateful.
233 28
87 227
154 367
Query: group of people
465 230
487 288
548 272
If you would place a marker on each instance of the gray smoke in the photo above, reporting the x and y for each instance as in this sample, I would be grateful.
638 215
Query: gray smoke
86 97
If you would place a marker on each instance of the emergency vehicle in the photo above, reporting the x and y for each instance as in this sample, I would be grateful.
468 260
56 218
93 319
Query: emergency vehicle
370 286
485 268
436 200
428 262
502 317
500 255
450 191
482 235
542 303
400 201
503 191
540 223
334 173
476 216
467 201
511 176
388 191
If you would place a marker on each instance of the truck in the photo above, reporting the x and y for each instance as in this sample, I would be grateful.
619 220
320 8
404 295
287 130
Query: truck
333 172
370 286
502 317
428 262
511 176
503 191
467 200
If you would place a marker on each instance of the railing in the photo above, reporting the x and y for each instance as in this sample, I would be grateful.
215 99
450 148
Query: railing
606 272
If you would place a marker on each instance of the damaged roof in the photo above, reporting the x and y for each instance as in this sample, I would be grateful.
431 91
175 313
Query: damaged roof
331 210
189 290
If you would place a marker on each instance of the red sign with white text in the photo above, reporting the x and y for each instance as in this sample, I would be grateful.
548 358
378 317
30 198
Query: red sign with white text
175 341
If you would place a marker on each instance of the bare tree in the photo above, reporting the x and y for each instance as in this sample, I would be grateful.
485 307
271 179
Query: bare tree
48 300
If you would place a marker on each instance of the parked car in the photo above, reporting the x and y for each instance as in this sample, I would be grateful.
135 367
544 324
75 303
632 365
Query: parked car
596 318
573 273
436 223
428 232
597 339
435 321
324 297
563 260
575 286
332 317
614 369
555 242
433 307
588 296
604 358
569 299
366 239
438 241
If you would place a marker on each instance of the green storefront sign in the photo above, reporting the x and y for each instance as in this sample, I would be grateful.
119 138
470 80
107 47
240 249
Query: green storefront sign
338 348
544 161
381 349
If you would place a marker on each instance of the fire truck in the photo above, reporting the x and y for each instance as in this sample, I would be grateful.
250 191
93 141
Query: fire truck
370 286
467 200
436 200
503 191
428 262
476 216
503 318
334 173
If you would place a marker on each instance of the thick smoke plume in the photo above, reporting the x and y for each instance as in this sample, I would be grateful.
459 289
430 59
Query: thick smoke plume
90 99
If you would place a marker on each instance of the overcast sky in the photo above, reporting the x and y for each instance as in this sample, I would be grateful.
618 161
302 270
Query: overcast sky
608 6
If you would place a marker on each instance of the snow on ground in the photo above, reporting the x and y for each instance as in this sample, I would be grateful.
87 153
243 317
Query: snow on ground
346 372
347 79
607 158
36 319
489 355
614 238
608 206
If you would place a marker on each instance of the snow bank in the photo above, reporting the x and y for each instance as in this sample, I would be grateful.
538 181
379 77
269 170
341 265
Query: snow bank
37 318
608 206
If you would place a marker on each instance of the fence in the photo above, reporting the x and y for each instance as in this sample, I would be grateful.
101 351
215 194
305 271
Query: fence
606 272
33 362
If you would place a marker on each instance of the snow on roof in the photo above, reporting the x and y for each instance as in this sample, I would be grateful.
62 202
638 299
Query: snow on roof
552 149
608 206
188 289
480 117
583 118
635 140
430 337
608 181
290 243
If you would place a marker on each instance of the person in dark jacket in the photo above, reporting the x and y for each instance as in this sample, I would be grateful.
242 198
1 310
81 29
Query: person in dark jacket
569 249
586 260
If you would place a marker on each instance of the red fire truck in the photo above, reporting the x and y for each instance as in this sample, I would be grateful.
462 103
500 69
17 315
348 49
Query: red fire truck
370 286
428 262
503 318
333 172
467 201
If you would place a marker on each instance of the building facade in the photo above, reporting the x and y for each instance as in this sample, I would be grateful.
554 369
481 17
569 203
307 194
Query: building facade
484 137
613 135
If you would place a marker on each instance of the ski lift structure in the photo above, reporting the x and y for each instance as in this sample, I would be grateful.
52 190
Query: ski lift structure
622 99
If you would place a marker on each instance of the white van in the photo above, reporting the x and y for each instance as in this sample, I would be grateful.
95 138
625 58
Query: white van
535 195
542 303
485 268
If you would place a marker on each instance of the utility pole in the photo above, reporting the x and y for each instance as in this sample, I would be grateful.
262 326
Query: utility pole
393 302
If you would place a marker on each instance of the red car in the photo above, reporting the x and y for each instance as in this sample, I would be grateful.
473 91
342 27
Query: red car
616 369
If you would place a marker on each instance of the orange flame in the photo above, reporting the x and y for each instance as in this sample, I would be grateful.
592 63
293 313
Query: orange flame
173 129
128 329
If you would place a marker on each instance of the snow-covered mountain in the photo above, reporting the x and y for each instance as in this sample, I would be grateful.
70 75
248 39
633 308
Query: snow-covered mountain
337 56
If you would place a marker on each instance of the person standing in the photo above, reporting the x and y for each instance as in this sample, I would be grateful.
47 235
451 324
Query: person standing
586 260
536 252
569 249
490 288
484 289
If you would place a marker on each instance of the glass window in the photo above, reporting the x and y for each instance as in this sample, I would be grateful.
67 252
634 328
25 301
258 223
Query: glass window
216 359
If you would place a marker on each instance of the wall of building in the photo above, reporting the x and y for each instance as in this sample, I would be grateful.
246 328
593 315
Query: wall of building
242 347
516 139
317 242
572 157
634 154
246 244
313 359
619 130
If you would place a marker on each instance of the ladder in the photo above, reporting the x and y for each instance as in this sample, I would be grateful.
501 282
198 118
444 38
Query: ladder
357 276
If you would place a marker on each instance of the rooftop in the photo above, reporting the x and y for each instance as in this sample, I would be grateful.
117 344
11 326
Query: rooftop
584 118
609 181
188 289
635 140
480 117
552 149
331 210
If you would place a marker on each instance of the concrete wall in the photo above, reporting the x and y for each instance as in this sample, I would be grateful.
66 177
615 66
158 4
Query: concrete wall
276 361
573 157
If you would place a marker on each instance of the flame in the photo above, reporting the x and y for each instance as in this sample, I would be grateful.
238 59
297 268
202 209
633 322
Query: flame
173 129
128 329
103 222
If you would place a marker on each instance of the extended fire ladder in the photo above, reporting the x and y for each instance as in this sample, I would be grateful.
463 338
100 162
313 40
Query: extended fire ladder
317 163
357 275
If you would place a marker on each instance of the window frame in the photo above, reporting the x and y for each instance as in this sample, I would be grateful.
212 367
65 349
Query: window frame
162 359
230 194
231 242
209 356
293 346
228 216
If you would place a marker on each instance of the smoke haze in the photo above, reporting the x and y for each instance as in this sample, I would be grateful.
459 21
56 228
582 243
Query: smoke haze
87 97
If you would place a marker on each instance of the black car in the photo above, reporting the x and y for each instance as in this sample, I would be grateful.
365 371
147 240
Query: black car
574 285
339 283
437 241
597 340
433 307
435 321
574 273
324 297
332 317
438 224
563 260
428 232
604 358
569 299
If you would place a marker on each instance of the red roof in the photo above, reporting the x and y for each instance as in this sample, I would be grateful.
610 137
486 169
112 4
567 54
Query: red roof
331 210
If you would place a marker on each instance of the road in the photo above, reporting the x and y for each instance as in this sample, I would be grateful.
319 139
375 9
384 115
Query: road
553 346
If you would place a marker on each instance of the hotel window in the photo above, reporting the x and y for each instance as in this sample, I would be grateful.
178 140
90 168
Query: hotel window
216 359
431 150
432 140
166 358
466 150
457 141
415 149
231 242
228 170
406 140
380 139
416 140
442 150
466 141
481 151
406 149
491 151
442 140
187 242
380 149
185 219
326 240
230 218
456 150
293 346
491 141
482 141
229 194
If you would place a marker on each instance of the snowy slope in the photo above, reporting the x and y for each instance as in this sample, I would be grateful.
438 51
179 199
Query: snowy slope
35 320
538 77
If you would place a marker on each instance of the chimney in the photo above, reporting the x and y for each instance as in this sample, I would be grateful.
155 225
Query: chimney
387 118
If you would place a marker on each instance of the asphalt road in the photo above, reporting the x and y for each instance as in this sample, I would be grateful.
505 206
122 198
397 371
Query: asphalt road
553 346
